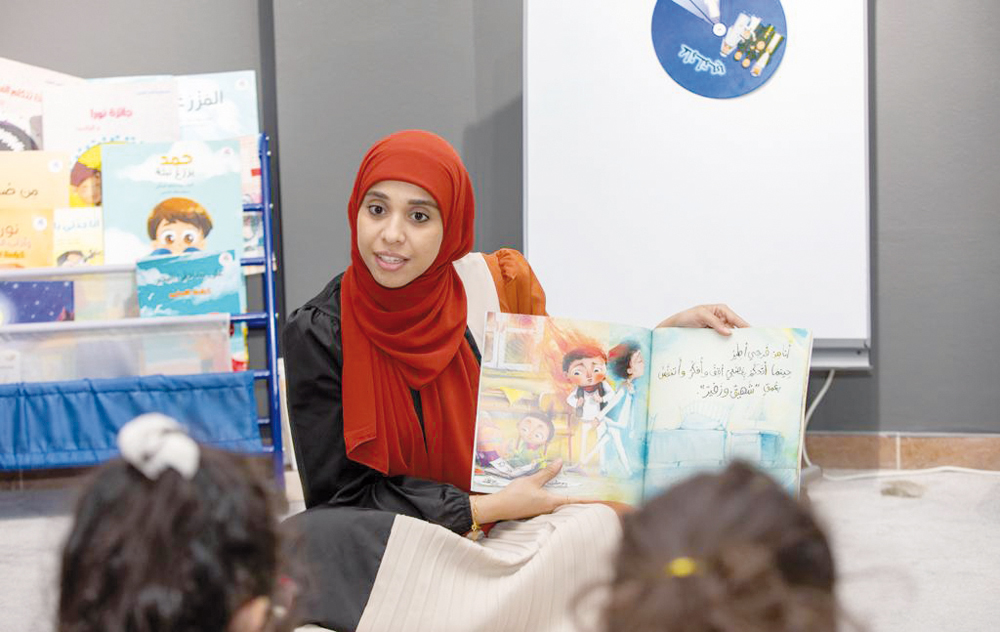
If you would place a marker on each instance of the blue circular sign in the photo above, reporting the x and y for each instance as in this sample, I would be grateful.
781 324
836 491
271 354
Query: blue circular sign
719 48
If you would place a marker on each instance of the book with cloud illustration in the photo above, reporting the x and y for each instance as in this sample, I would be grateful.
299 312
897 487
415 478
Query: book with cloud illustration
630 410
194 283
171 198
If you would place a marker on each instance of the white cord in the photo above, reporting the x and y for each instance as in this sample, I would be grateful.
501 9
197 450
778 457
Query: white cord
905 473
812 409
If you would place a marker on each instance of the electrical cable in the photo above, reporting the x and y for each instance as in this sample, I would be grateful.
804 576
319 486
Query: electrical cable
879 473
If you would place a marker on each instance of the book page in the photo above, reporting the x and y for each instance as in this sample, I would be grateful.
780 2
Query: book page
717 398
562 389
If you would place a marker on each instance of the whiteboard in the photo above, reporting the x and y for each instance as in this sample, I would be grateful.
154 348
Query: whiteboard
642 199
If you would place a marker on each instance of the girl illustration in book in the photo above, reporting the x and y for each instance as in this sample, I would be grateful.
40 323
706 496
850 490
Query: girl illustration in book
586 369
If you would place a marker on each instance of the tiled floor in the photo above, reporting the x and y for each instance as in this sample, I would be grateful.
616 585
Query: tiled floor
916 553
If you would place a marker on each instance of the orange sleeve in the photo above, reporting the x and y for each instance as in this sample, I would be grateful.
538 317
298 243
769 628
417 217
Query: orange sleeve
517 286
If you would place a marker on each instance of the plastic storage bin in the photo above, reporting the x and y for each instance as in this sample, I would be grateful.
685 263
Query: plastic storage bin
47 352
99 292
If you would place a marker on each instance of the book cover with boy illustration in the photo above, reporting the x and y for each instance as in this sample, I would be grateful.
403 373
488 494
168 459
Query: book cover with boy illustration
34 179
631 410
171 198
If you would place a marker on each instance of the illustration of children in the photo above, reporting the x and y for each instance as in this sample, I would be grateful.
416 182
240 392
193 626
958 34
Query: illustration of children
178 225
626 364
586 368
534 433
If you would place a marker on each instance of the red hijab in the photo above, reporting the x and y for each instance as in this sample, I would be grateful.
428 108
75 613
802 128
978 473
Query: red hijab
412 337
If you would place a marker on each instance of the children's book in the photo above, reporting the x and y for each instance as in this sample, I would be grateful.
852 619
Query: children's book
21 89
34 179
80 118
77 236
171 198
629 410
35 301
194 283
25 238
251 169
218 106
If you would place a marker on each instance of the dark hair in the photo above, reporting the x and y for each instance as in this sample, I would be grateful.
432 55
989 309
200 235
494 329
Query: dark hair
620 357
168 554
760 560
579 353
179 209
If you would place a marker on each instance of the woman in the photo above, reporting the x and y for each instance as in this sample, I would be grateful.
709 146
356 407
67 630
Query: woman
383 374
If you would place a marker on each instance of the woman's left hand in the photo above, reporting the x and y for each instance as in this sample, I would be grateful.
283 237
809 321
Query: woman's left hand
718 316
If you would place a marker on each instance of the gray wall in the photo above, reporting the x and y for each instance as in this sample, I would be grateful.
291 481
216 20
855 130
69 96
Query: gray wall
123 37
350 72
936 228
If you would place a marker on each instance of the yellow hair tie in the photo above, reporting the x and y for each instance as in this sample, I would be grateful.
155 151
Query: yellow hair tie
681 567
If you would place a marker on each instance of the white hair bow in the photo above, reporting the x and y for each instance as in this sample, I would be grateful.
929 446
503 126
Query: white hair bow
151 443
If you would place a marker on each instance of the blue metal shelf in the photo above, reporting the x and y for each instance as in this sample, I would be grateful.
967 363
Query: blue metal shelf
268 319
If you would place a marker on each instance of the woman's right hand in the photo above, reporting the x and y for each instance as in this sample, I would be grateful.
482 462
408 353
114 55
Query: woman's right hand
524 497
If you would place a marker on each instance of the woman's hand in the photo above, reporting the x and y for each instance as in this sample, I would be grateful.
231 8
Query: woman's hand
719 317
523 498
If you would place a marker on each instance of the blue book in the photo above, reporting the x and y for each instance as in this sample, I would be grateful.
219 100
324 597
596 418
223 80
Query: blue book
195 283
35 301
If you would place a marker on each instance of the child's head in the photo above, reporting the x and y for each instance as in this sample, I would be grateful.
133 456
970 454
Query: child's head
178 225
585 366
724 551
71 258
625 361
536 432
86 182
172 537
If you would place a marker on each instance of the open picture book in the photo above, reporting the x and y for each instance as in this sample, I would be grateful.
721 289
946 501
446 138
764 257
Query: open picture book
630 410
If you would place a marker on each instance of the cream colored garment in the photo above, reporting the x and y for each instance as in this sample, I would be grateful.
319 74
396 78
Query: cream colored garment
524 576
480 293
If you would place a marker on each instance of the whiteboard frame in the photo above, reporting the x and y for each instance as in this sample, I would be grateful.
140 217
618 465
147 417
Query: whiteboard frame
828 353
